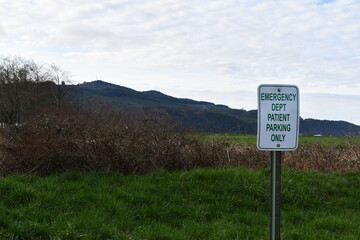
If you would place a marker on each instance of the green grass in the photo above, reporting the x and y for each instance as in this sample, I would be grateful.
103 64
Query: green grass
199 204
230 138
328 141
303 140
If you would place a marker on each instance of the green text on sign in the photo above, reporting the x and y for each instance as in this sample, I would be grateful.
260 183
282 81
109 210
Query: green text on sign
278 117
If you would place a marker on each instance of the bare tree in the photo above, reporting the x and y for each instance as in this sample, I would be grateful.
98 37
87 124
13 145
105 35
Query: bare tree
27 87
60 78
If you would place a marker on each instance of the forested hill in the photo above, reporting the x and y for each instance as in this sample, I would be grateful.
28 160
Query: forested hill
198 116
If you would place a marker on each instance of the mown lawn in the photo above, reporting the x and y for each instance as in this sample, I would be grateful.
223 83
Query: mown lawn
199 204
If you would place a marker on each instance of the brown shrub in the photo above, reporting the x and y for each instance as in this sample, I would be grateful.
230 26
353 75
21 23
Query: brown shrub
328 159
338 159
103 141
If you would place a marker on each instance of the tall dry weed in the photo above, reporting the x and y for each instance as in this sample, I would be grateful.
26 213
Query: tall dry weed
137 144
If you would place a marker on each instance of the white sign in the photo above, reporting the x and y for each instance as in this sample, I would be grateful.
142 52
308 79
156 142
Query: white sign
278 117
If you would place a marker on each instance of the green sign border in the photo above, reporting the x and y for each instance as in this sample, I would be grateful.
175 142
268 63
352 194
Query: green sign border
259 120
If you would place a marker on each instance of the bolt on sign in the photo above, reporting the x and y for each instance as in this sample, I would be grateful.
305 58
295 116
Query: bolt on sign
278 117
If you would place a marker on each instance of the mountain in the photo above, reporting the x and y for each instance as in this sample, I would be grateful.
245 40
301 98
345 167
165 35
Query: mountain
198 116
328 128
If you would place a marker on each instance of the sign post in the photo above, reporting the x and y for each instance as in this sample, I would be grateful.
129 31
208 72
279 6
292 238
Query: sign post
275 195
278 130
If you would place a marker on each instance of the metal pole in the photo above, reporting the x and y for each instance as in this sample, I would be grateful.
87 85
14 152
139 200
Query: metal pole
275 192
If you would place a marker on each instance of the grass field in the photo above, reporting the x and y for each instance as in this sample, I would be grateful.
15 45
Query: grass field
199 204
303 140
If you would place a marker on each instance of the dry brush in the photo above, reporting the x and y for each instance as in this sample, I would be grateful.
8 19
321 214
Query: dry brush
104 141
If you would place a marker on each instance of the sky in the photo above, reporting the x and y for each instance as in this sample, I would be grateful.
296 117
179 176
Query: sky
210 50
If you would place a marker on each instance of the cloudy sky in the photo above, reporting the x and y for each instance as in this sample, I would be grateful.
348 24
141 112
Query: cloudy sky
211 50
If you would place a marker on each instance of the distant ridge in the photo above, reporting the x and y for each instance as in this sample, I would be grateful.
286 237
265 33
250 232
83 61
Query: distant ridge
199 116
99 84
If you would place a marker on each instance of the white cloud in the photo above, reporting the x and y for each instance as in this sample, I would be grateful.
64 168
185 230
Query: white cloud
218 45
2 31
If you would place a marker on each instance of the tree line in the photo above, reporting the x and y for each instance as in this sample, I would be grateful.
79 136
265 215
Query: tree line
28 88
